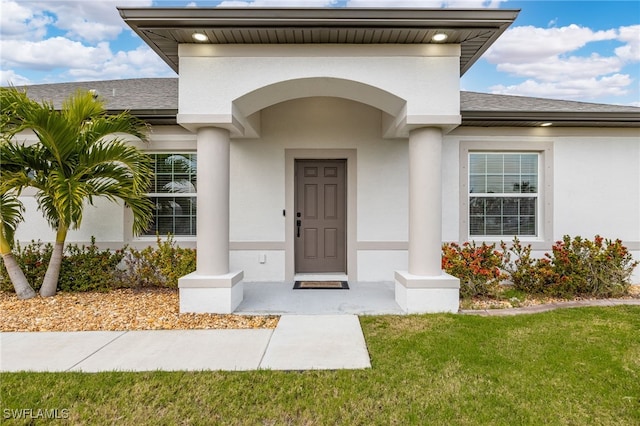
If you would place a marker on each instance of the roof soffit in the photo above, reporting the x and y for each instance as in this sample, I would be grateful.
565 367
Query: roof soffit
163 29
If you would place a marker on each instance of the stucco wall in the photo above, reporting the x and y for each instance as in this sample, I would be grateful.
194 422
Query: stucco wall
596 181
598 187
104 221
258 174
596 177
217 82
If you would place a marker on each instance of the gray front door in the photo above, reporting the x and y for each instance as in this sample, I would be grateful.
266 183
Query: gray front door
320 216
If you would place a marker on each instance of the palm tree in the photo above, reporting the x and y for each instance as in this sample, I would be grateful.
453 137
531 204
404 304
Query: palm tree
10 215
11 210
81 155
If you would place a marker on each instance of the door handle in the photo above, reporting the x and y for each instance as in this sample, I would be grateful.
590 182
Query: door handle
298 224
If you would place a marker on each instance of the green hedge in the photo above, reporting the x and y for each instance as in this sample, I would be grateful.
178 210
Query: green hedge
575 267
88 268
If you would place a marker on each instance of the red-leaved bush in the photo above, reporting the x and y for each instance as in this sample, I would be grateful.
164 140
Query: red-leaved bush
477 267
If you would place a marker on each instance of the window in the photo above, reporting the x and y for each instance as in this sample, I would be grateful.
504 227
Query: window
503 194
173 193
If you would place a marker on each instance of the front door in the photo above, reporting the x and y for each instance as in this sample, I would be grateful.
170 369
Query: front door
320 216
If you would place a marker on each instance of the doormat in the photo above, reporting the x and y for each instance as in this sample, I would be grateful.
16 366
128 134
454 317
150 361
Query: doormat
321 285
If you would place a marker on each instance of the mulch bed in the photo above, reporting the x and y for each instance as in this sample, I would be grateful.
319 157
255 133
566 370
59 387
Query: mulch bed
151 309
483 303
148 309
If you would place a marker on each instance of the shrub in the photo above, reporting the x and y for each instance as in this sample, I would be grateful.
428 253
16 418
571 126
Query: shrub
477 267
88 268
33 259
84 268
524 271
575 267
580 267
157 267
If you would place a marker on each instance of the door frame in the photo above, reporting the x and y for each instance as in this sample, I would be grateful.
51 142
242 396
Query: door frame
291 155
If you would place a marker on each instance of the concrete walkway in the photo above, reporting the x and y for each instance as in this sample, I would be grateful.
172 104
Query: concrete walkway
299 342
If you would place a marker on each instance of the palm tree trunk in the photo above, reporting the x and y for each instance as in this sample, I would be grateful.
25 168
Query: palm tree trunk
50 282
19 281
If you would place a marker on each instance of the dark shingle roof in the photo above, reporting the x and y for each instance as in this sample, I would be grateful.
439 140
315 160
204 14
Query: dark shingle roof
488 110
156 99
473 101
129 94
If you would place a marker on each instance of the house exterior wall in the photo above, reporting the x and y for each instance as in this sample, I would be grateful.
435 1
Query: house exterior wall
595 175
258 182
265 75
594 188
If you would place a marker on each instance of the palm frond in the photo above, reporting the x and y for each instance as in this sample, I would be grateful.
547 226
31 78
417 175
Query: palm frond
14 104
120 124
81 107
11 210
81 155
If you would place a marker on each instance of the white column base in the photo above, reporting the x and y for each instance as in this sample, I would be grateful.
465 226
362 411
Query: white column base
417 294
216 294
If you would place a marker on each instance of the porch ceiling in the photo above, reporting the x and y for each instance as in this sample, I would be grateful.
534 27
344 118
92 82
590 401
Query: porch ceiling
163 29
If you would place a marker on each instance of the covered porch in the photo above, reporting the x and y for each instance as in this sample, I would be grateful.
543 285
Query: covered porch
407 87
279 298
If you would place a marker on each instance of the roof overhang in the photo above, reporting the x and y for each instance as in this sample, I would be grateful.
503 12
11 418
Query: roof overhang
557 119
163 29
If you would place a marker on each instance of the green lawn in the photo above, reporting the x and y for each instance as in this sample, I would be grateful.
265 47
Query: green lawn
571 367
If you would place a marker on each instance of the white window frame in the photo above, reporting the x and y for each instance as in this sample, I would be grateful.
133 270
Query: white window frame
544 212
172 195
505 195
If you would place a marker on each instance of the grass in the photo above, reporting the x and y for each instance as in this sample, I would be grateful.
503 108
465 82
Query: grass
566 367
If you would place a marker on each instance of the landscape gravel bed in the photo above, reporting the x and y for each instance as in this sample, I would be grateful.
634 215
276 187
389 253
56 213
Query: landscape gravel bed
487 303
147 309
157 309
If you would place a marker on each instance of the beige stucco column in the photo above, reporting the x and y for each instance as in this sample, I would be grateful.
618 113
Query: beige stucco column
425 201
212 287
213 201
425 287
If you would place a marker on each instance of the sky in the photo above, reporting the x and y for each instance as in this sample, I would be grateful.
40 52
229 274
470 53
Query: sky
575 50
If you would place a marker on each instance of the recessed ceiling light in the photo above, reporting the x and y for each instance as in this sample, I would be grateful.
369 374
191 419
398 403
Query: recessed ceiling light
546 124
199 37
439 37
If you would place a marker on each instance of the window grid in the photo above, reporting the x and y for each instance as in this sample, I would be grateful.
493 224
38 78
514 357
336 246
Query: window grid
173 194
503 194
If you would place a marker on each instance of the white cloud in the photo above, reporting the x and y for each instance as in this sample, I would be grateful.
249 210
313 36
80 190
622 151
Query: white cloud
69 40
631 51
81 62
81 20
557 69
130 64
55 52
551 61
19 21
529 44
10 77
588 88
